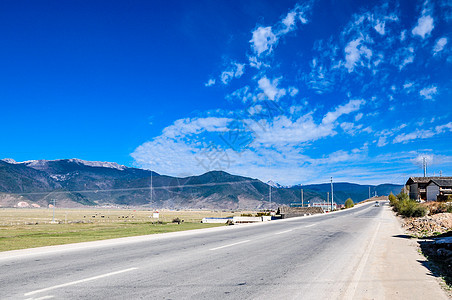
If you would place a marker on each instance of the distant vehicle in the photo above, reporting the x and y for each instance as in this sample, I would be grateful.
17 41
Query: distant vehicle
377 204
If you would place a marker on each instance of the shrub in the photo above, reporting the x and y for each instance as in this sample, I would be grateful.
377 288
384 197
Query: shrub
264 213
402 196
407 207
392 199
349 203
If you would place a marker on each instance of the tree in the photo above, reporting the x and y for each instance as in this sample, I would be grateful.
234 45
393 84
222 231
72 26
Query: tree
349 203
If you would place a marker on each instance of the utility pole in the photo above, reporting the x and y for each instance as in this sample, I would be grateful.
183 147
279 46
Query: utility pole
424 163
302 205
440 173
332 195
327 200
151 189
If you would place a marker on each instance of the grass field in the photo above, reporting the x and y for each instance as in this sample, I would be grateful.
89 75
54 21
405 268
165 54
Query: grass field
28 228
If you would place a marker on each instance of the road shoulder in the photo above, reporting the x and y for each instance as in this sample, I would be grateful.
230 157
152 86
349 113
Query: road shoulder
395 268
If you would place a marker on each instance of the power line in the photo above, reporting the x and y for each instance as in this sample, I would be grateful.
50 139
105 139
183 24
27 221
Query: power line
136 189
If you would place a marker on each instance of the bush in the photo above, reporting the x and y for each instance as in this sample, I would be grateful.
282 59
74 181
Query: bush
177 220
392 199
263 213
349 203
402 196
407 207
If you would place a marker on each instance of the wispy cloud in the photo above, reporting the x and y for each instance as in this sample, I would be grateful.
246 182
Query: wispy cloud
235 70
425 23
265 38
439 45
423 133
210 82
270 89
428 92
357 54
351 106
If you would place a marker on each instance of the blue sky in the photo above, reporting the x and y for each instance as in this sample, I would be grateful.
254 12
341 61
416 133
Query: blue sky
292 91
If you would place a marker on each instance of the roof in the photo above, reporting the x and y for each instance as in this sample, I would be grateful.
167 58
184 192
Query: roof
412 180
441 182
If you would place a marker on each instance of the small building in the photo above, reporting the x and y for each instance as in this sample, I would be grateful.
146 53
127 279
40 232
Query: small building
290 212
417 186
438 189
326 206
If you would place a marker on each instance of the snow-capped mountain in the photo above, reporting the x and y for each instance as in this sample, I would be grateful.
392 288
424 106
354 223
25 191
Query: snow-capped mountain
276 185
43 164
10 161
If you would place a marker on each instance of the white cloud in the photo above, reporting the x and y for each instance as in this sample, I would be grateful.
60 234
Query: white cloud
236 70
293 91
428 92
187 147
382 141
351 106
417 134
403 57
424 26
244 94
256 109
289 22
380 27
270 89
358 117
188 126
403 35
210 82
444 128
439 45
407 60
422 133
354 53
255 63
408 85
263 40
347 127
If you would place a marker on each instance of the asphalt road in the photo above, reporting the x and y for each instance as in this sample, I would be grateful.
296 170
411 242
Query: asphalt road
318 257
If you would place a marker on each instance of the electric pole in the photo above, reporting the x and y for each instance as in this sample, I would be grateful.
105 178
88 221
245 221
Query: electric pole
424 163
332 195
151 189
302 205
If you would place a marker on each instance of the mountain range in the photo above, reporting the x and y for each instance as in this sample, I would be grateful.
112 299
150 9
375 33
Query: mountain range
77 183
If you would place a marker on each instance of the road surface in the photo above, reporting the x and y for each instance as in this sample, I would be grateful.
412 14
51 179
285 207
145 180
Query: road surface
351 254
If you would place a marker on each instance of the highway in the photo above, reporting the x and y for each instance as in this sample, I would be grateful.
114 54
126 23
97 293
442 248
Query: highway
327 256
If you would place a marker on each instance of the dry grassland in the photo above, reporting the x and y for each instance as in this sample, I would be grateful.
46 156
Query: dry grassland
27 228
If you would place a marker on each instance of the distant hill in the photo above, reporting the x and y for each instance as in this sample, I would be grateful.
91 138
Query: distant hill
358 192
74 182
